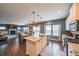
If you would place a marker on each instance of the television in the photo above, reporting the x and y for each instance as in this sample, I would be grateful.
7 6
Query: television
12 32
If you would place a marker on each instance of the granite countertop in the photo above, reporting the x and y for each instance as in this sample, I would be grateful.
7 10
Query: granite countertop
33 38
71 40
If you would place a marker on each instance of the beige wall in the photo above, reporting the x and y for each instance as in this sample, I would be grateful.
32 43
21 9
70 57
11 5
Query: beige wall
74 15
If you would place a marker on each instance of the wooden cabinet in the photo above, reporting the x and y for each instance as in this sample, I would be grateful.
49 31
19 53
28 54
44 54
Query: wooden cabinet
73 49
34 47
77 11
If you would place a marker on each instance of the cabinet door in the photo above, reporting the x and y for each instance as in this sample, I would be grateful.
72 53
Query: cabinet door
38 47
44 41
30 48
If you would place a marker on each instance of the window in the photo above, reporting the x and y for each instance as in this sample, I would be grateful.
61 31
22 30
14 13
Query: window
24 28
27 29
36 30
19 28
56 29
2 28
47 29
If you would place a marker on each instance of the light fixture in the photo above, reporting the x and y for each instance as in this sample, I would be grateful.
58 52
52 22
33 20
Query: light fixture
38 17
41 18
33 22
58 12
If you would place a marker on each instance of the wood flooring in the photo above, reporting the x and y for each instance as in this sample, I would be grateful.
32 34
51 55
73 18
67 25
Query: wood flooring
13 47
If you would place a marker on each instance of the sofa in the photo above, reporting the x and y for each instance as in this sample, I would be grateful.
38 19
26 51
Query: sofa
3 35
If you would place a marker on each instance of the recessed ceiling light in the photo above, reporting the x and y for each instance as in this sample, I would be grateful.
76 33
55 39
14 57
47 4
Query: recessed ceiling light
58 12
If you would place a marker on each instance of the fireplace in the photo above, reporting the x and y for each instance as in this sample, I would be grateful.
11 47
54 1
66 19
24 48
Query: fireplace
12 31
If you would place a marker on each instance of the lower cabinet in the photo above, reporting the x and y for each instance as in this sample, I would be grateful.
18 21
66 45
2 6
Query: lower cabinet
73 49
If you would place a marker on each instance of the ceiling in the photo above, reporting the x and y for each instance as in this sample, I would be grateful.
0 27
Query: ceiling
21 13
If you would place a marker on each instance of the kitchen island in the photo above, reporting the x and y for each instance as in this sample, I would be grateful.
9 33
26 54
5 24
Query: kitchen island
34 45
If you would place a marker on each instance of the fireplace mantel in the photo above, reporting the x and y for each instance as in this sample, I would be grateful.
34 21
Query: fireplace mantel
13 34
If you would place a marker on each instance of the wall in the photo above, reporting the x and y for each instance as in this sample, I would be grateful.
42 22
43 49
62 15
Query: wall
42 27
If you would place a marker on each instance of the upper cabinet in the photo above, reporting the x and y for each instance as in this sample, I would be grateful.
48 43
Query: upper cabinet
77 11
74 12
73 16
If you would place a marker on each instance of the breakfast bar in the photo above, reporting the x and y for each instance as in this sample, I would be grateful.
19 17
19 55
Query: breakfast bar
34 45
